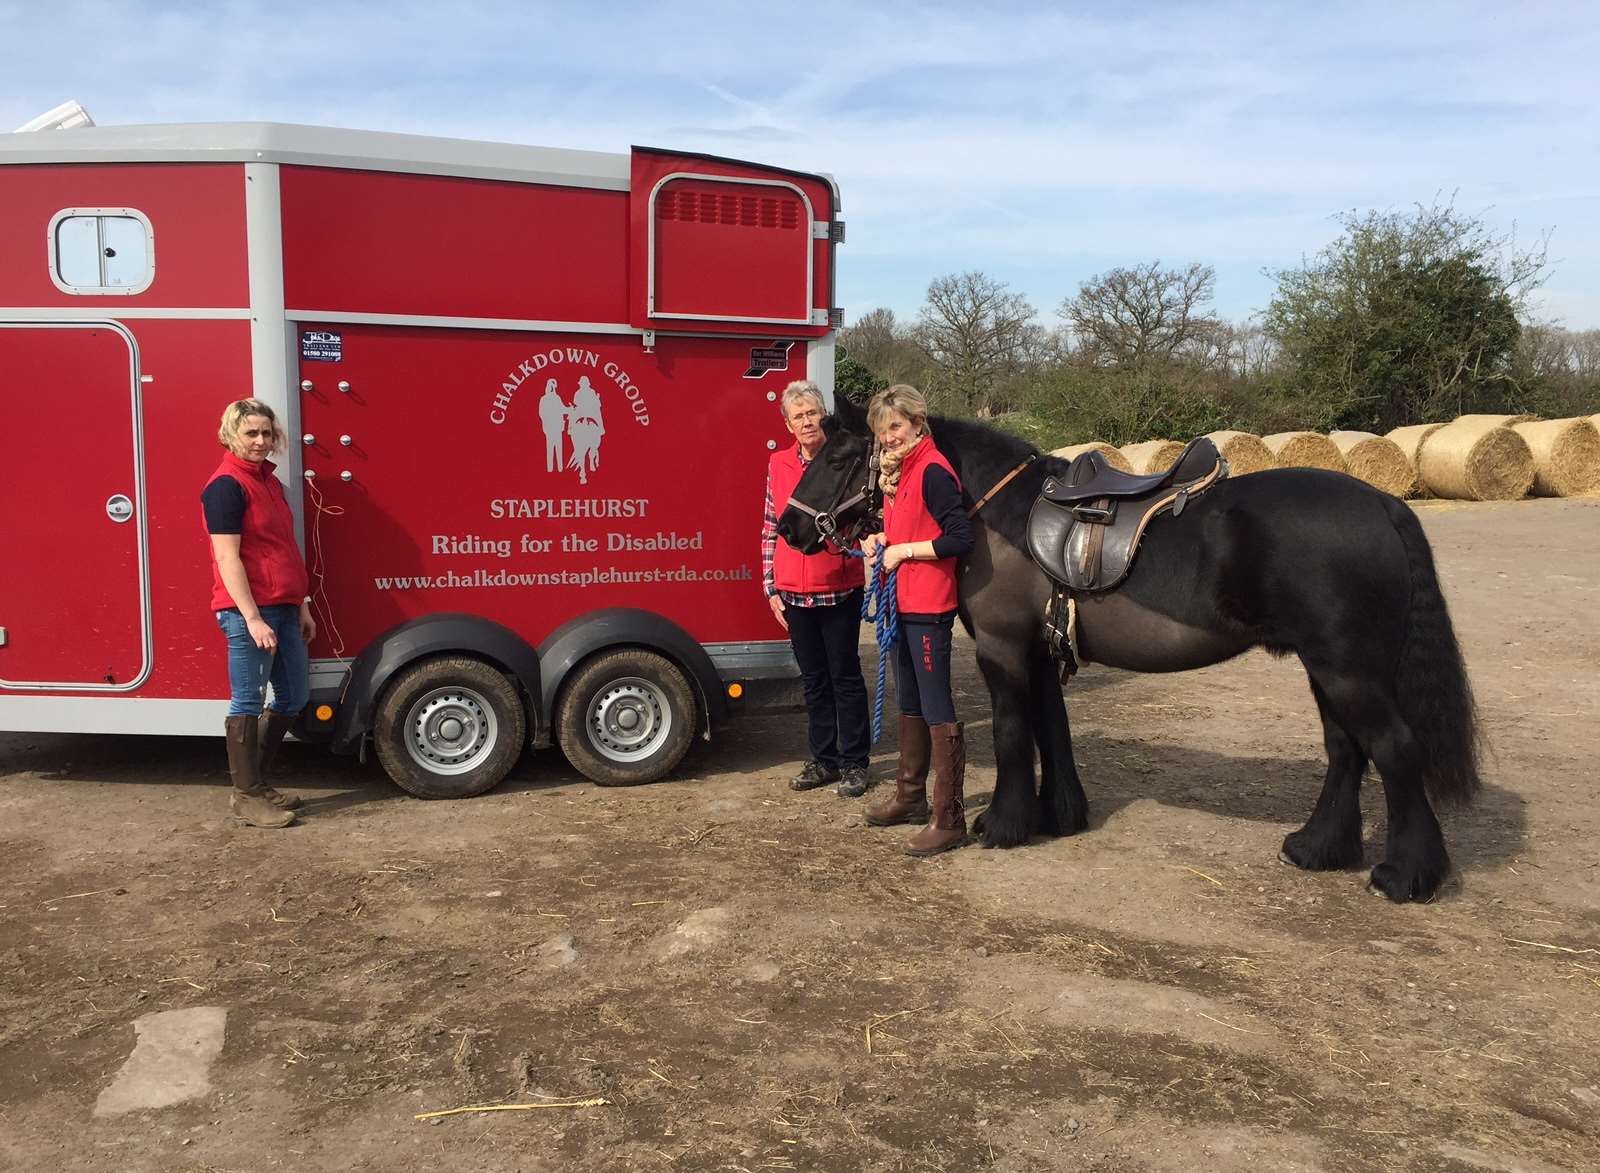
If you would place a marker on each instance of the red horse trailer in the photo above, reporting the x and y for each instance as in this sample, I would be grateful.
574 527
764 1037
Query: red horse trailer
530 394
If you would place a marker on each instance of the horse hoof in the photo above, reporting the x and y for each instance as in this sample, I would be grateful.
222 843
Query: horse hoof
1411 886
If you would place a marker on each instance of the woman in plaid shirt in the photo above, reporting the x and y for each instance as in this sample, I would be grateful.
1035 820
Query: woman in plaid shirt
817 599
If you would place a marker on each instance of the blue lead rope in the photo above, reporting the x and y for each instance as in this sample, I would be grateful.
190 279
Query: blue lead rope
878 608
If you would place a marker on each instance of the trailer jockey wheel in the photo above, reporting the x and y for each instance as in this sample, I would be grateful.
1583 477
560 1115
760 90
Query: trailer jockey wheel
449 728
626 717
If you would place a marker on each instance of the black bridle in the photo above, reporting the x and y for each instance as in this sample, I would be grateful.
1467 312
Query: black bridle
860 485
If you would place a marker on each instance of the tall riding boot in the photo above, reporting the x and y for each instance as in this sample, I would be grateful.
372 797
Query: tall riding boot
248 803
910 801
947 827
269 736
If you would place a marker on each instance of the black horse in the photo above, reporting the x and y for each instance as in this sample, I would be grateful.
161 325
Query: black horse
1298 561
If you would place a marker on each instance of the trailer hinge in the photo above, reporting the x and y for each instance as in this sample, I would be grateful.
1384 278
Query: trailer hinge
821 230
837 235
2 637
649 340
820 317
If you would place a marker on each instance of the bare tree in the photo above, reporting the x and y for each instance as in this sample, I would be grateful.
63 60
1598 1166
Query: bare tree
977 335
1130 318
880 343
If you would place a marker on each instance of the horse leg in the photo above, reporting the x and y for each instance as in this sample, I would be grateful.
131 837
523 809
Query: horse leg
1331 838
1063 807
1415 862
1009 818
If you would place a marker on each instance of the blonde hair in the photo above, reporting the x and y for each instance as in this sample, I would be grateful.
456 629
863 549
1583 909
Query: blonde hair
902 399
798 390
233 417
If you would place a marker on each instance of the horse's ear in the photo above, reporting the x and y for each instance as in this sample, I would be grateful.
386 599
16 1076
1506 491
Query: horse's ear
847 414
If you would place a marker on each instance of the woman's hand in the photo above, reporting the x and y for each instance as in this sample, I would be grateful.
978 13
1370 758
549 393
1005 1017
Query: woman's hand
896 554
870 544
776 603
261 631
308 625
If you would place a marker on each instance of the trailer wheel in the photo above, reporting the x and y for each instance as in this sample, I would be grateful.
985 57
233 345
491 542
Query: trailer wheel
449 727
626 717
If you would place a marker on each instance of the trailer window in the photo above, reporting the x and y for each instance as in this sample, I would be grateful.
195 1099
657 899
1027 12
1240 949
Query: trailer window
102 250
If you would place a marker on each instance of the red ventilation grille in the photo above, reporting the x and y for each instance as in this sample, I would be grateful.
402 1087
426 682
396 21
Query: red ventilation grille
702 206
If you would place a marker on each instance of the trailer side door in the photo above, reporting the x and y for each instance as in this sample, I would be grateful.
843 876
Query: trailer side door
73 592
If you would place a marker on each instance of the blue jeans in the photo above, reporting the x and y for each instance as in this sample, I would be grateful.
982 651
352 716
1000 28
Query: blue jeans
250 668
838 726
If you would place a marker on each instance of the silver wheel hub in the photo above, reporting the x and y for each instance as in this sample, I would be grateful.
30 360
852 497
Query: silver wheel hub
628 720
451 730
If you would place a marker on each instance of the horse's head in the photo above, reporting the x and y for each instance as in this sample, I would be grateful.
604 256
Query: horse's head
837 499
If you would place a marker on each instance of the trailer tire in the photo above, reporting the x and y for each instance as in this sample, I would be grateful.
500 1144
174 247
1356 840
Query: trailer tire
449 727
626 717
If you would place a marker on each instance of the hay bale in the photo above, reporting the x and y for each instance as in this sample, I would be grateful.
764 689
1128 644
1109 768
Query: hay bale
1244 453
1377 460
1112 454
1566 456
1152 456
1305 450
1476 460
1410 439
1504 421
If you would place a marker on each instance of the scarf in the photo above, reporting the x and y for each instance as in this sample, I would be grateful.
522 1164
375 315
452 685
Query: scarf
889 466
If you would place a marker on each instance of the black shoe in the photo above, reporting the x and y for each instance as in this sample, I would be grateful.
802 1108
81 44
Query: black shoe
815 774
854 782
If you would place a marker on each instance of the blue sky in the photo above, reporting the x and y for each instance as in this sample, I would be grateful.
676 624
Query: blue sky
1040 143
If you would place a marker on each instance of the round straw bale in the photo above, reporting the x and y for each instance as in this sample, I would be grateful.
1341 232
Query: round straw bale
1410 439
1566 456
1112 454
1504 421
1376 460
1152 456
1305 450
1243 452
1476 460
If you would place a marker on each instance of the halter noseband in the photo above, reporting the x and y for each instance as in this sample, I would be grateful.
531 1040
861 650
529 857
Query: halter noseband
826 519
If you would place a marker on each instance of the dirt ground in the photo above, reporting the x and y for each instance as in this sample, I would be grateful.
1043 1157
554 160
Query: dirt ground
750 979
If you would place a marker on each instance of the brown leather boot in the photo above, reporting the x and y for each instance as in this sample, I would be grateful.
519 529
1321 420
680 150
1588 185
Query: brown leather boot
248 803
269 736
910 801
948 826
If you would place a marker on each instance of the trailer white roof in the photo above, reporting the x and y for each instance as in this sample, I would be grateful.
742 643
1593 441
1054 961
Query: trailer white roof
318 146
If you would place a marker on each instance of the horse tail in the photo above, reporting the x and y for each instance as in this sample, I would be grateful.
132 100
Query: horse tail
1435 696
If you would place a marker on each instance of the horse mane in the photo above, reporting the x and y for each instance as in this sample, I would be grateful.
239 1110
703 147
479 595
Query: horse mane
981 455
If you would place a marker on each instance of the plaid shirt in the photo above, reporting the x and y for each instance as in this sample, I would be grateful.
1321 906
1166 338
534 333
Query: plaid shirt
769 548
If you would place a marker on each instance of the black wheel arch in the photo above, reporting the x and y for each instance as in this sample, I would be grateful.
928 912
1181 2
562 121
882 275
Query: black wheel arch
619 627
443 633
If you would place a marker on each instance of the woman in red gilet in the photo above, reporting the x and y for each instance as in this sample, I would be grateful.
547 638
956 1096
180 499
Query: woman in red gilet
925 529
258 592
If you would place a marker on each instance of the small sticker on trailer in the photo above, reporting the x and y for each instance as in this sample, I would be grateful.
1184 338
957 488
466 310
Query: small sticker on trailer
321 346
774 356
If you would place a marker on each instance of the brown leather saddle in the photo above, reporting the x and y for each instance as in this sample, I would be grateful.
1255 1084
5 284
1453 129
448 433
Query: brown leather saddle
1085 527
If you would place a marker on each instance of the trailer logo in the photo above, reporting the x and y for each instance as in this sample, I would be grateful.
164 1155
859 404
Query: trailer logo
573 427
580 420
